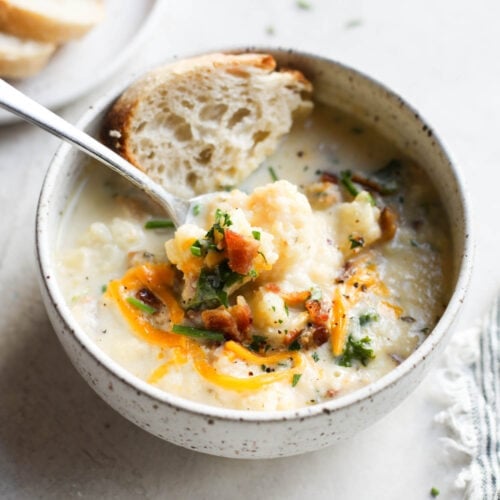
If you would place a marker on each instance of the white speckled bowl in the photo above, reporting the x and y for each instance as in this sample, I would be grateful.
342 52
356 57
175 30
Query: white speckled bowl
252 434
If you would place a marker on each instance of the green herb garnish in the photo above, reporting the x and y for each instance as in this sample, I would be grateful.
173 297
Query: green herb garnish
294 346
196 210
273 175
434 492
356 242
296 378
212 287
256 235
198 333
104 288
258 342
141 305
346 180
364 319
159 224
357 350
315 356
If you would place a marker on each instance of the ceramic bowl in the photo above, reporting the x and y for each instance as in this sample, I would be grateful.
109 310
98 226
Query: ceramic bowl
252 434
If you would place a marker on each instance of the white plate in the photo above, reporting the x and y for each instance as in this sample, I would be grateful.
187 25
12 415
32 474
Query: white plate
81 65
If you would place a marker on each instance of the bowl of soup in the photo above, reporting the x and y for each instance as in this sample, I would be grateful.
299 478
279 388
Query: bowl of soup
293 309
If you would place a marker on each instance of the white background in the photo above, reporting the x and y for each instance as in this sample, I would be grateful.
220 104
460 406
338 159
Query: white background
59 440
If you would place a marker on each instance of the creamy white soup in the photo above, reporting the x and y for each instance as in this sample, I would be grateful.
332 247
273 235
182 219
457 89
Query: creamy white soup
318 275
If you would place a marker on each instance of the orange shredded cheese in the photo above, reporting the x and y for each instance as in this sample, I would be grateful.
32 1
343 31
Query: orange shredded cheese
338 329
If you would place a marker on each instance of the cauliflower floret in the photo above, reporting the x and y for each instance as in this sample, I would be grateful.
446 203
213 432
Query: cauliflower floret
178 249
356 223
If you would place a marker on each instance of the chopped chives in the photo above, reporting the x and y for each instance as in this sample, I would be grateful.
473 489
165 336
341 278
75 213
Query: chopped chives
196 210
159 224
198 333
346 180
104 288
256 235
196 249
272 173
296 378
141 305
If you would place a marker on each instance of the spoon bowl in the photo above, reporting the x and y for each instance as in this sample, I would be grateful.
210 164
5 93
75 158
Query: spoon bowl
26 108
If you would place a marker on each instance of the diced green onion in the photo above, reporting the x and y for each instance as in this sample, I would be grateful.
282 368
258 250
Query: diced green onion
272 173
434 492
104 288
256 235
296 378
159 224
345 179
198 333
196 249
141 305
196 210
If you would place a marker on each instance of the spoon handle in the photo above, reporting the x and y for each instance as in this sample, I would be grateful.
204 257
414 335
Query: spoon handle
21 105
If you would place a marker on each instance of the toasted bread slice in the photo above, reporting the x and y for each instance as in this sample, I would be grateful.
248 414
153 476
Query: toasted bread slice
20 58
53 21
202 124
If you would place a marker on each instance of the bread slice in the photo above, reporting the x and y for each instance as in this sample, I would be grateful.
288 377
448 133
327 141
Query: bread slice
52 21
201 124
20 58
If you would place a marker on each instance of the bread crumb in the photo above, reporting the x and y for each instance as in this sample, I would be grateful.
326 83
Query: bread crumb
115 133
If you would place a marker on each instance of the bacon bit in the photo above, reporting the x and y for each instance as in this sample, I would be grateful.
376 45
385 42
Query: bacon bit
295 298
148 297
388 223
369 184
318 311
241 251
314 336
329 177
291 336
272 287
234 322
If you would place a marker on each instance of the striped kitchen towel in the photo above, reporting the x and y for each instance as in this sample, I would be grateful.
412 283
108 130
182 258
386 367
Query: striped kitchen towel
471 383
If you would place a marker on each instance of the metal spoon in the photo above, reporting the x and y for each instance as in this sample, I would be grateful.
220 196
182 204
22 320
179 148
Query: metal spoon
21 105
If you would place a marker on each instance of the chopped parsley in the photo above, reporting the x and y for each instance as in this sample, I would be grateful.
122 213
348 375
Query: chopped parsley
258 343
357 350
212 287
366 318
356 242
296 378
159 224
139 304
294 346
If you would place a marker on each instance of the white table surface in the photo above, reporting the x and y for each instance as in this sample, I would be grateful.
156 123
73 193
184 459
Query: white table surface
59 440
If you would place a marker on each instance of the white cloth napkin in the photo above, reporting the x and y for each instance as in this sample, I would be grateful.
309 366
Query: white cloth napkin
470 381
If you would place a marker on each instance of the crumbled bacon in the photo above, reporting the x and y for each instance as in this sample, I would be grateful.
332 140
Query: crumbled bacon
318 311
241 251
314 336
291 336
388 223
148 297
272 287
234 322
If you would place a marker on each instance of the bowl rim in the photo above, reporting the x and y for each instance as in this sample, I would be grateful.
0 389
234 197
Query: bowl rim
47 270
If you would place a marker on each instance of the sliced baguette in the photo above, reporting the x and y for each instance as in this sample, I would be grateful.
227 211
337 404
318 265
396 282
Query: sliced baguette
53 21
202 124
20 58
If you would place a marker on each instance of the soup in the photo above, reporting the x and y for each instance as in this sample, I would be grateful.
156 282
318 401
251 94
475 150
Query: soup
319 274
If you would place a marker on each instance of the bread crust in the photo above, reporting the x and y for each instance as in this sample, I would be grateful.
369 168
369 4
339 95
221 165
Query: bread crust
25 23
117 130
